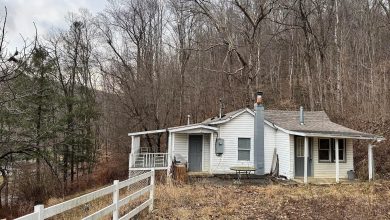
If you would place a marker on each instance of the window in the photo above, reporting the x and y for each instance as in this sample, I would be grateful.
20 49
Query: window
341 150
244 149
326 150
300 146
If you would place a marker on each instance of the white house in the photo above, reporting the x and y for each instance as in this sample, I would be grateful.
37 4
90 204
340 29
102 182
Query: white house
307 144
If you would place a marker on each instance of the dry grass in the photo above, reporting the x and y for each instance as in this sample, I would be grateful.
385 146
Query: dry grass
260 199
223 200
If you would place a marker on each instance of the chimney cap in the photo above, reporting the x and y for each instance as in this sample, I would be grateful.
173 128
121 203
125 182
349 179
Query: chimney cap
259 97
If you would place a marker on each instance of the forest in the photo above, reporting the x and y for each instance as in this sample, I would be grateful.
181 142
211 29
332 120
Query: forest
69 98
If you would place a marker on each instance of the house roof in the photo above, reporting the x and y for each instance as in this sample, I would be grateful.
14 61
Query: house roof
227 116
316 123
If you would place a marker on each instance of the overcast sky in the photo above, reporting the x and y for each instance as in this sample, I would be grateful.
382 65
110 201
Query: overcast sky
46 14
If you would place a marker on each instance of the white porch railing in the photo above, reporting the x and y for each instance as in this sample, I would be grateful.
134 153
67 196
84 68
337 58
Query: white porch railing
148 160
41 213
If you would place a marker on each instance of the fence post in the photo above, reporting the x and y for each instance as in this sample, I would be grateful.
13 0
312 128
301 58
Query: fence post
151 193
39 209
115 199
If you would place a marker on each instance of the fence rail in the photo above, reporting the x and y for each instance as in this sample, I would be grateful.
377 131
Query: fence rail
40 212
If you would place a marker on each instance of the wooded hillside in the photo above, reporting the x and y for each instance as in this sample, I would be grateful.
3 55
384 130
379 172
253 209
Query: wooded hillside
69 99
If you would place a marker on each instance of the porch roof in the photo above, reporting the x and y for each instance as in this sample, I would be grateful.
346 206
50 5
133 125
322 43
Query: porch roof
177 129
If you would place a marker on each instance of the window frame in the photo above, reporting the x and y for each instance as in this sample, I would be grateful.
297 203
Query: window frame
329 150
332 150
300 146
344 147
243 149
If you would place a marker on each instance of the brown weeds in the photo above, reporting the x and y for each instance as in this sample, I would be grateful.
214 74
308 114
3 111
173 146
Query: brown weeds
206 200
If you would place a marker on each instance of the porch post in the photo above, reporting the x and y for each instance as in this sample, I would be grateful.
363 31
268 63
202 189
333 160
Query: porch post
212 146
370 167
169 156
337 160
130 163
306 154
132 144
173 142
131 155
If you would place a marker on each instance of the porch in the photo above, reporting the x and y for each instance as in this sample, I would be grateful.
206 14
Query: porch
326 159
190 144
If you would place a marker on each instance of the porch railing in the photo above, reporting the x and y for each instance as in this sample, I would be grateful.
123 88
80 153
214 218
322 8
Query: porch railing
148 160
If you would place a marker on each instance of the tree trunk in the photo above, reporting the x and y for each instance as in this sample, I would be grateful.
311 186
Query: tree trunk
4 186
339 94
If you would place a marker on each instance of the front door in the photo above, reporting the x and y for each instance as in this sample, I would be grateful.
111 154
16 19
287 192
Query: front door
195 152
300 158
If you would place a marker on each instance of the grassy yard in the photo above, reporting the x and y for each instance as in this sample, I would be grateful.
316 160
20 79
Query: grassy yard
221 199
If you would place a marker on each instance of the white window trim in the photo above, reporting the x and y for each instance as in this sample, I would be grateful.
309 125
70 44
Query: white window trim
242 149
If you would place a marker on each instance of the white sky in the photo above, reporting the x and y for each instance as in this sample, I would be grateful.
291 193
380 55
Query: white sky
46 14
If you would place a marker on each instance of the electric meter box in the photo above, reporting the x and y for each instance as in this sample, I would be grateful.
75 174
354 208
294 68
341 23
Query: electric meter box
220 144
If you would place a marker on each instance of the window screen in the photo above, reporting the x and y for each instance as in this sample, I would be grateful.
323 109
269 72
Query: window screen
244 148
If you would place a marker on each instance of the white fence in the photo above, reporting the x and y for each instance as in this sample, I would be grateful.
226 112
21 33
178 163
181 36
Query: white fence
41 213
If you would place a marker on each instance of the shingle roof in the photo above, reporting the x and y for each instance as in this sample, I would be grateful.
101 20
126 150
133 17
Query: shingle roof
225 116
315 123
